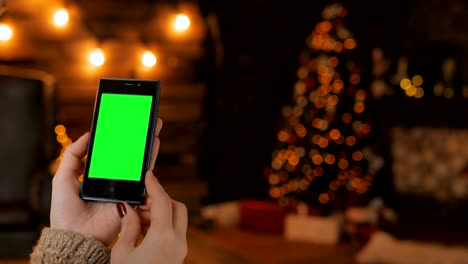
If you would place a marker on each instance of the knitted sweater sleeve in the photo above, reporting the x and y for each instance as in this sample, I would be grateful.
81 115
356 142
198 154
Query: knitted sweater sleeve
59 247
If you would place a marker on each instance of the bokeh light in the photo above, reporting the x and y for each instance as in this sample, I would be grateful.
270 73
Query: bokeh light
61 17
97 57
181 23
148 59
6 32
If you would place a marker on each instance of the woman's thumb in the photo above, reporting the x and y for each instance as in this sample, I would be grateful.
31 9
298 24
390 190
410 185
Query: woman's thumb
131 228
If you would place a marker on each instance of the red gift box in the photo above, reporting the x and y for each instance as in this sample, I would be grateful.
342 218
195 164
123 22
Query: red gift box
262 216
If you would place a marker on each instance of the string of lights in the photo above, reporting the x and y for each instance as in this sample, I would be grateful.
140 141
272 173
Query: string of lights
97 57
60 20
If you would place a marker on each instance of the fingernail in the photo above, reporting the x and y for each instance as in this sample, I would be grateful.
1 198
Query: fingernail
121 209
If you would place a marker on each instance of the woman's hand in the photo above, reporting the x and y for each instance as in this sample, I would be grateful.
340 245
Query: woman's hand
69 212
165 240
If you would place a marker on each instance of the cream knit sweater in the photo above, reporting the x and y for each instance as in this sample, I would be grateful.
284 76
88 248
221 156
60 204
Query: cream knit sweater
60 247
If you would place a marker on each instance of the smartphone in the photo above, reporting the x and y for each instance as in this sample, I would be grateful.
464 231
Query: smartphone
121 140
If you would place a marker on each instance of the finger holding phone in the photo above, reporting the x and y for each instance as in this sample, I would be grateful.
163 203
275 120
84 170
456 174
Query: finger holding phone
116 163
165 240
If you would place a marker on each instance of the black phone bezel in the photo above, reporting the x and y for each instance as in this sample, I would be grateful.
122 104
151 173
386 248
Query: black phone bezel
104 190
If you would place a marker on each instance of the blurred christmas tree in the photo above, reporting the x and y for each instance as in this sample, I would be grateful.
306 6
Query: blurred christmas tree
321 150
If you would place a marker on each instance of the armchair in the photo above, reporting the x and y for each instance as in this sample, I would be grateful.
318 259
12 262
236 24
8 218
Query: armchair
27 120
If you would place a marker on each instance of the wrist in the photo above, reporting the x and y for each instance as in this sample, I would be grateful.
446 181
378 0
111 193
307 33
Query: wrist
57 244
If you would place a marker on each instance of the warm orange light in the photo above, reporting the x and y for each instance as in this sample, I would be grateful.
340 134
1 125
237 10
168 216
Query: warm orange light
322 70
317 123
275 192
324 79
325 88
439 89
324 198
350 140
300 87
333 100
148 59
357 156
181 23
338 47
316 138
340 140
449 93
318 171
337 86
334 185
334 134
355 79
67 142
304 184
62 138
293 160
293 120
330 159
341 176
286 111
317 159
325 26
361 95
323 142
60 129
61 17
6 32
290 168
359 107
349 43
347 118
97 58
283 136
301 131
313 152
343 164
316 41
293 185
300 152
320 103
342 11
419 92
365 128
417 80
276 164
273 179
405 83
333 61
411 90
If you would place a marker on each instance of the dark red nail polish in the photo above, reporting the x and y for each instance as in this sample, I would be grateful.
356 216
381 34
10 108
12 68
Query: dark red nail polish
121 209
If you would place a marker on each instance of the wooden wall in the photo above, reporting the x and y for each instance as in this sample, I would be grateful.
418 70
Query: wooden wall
123 36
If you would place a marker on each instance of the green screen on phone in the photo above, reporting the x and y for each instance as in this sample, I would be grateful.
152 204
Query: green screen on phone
120 137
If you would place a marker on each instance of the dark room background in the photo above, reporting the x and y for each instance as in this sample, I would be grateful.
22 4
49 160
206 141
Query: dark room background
252 59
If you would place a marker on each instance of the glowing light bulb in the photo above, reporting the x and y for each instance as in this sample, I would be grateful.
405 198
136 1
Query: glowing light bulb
61 17
148 59
5 32
60 129
97 58
182 22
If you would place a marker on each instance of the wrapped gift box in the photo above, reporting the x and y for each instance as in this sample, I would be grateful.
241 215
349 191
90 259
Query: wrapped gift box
225 214
313 229
262 216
